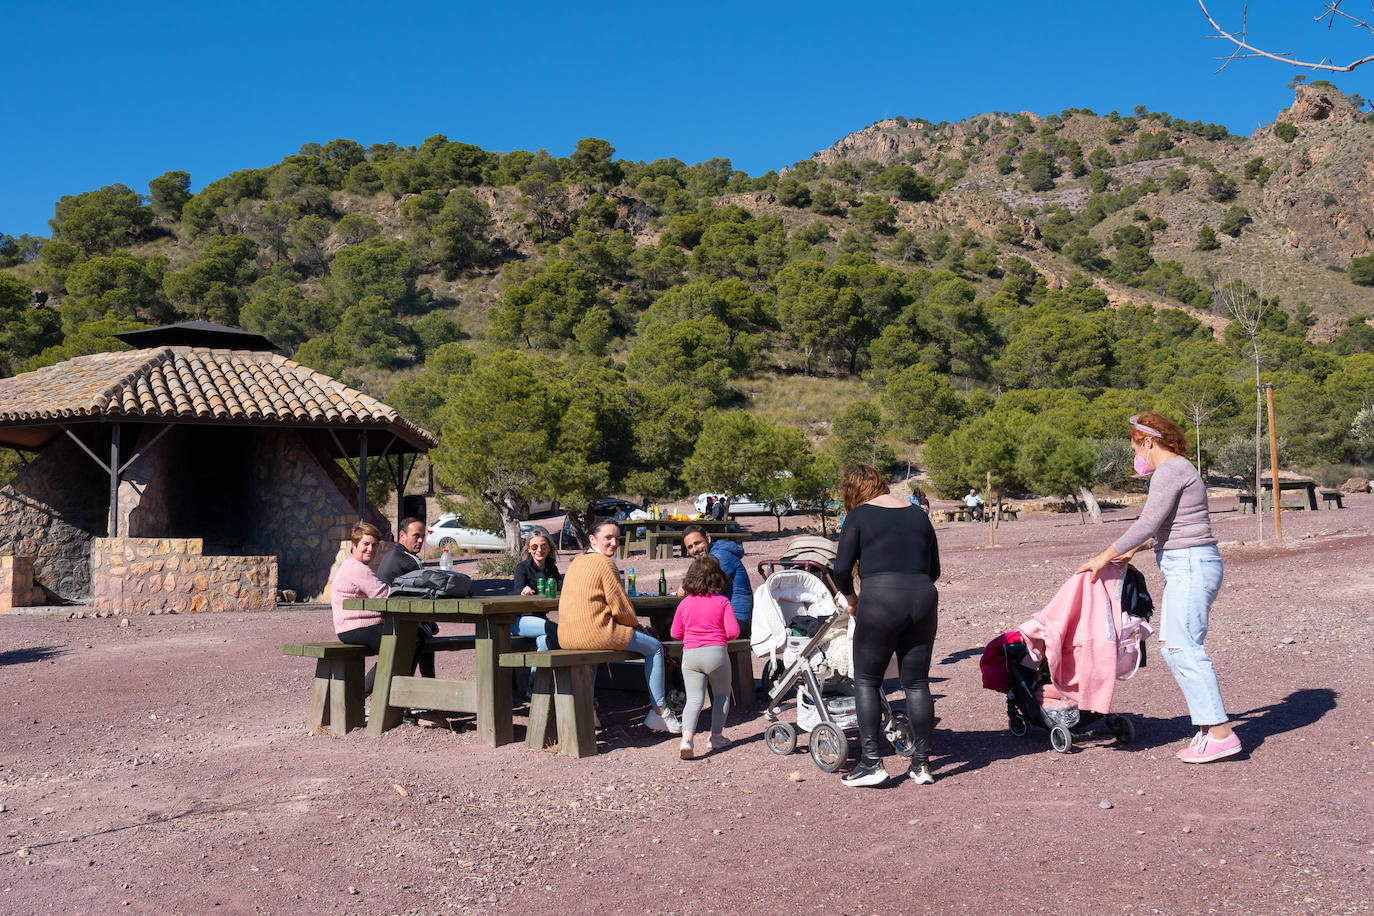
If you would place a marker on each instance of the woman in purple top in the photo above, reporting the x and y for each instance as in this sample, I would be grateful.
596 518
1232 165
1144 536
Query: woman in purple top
1175 518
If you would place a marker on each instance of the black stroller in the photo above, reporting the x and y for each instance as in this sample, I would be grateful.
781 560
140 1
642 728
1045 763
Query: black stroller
1028 688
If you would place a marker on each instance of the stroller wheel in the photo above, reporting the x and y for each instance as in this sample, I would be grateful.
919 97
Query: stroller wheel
829 747
1061 739
780 738
899 734
1122 728
1018 726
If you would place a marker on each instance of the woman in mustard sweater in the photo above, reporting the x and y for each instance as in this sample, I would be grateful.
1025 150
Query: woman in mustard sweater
595 613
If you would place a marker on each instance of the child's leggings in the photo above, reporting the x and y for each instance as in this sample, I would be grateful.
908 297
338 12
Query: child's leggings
699 666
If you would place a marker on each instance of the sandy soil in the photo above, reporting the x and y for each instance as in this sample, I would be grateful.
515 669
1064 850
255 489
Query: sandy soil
163 767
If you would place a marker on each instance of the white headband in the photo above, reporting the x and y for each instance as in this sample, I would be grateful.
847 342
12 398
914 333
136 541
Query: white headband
1145 429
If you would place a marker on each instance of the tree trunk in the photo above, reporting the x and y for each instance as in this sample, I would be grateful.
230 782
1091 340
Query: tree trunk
1094 510
507 506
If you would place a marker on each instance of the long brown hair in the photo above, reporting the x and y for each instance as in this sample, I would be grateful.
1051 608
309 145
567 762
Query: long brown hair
704 577
861 483
1170 436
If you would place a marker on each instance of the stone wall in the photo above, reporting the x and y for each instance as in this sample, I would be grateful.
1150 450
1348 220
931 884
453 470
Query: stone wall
50 511
143 493
300 514
143 575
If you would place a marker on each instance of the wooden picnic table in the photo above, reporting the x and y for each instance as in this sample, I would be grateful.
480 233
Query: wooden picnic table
1286 484
666 532
488 695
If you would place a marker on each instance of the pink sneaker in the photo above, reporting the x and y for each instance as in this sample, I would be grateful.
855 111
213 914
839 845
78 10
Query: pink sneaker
1204 748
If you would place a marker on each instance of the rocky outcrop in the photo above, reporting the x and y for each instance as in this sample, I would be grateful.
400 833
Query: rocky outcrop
1312 104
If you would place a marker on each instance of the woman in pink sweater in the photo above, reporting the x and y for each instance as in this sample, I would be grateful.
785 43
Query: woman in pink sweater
355 579
705 622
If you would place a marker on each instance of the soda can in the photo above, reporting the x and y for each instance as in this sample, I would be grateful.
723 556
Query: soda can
542 586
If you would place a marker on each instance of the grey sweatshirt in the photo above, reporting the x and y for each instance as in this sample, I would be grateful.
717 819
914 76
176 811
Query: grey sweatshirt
1175 512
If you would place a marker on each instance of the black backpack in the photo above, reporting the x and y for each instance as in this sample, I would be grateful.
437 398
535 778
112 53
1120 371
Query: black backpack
431 583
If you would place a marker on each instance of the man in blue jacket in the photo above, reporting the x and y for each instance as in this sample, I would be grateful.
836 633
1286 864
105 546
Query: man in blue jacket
730 556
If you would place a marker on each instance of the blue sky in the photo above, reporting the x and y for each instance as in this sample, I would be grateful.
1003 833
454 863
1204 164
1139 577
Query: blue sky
98 93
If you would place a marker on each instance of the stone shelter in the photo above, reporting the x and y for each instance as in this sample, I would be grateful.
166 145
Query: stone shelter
199 471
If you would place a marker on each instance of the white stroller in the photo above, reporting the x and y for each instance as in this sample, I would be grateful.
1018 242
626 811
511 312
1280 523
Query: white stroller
806 634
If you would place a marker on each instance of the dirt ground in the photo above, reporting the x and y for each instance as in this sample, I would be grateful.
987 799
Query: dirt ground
163 767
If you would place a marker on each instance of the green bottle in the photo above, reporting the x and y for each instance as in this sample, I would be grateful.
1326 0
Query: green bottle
662 583
632 582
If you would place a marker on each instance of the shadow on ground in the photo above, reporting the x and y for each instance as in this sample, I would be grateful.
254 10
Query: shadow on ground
32 654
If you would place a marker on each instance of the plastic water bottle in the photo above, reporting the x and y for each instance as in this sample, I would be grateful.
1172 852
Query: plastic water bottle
445 561
631 587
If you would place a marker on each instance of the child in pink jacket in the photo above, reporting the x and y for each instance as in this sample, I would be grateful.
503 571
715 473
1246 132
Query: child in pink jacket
705 622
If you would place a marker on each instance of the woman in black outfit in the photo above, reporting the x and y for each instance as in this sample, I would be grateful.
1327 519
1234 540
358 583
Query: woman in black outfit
540 562
893 545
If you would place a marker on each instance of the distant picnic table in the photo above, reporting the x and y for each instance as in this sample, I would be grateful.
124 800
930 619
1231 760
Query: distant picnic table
1303 485
660 535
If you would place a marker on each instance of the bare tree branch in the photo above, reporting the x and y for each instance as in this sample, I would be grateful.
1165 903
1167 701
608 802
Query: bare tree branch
1244 49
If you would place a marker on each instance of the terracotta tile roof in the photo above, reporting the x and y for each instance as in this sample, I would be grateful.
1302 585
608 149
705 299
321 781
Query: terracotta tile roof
195 383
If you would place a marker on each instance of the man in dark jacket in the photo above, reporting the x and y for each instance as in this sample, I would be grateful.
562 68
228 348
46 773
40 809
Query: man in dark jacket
730 555
404 557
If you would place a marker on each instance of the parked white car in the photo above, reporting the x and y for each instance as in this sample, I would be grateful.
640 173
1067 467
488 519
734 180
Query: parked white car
744 504
448 531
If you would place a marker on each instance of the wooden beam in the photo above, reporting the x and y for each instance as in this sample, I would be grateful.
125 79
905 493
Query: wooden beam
434 693
139 454
85 448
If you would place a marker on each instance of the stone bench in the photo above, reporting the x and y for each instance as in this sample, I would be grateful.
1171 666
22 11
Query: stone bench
561 696
17 588
336 694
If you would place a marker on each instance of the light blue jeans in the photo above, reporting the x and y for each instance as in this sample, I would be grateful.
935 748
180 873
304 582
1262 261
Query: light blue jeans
543 632
652 650
1192 578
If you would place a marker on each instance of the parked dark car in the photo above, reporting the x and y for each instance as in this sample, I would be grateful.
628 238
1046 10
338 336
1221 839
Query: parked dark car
606 507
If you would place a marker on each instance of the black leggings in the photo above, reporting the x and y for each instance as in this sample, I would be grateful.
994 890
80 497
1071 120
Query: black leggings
372 638
898 612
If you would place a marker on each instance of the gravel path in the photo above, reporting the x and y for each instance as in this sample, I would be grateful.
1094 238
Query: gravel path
160 765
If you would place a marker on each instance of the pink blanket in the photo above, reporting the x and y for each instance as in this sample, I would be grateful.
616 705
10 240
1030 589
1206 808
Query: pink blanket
1072 633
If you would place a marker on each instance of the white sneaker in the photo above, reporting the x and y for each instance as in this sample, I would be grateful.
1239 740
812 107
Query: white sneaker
667 722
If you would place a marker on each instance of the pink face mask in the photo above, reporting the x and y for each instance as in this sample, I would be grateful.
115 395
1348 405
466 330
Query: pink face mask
1142 467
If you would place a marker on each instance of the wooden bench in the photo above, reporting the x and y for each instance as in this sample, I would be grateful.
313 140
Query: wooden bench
741 667
336 694
561 696
1246 502
1331 499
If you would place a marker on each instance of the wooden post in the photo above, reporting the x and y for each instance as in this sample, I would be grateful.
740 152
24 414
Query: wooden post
362 475
992 526
1274 463
114 481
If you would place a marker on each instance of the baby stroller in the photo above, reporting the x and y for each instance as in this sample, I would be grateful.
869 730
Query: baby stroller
806 635
1033 692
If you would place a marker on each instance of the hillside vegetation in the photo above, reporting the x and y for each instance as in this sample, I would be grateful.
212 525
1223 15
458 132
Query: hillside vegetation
1005 279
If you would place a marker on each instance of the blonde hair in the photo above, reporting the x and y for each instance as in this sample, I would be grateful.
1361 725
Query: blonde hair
536 536
363 529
